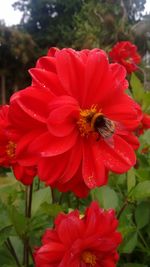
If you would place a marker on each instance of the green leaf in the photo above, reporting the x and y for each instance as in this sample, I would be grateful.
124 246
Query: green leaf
106 196
137 88
142 214
6 258
131 180
146 102
143 174
5 233
4 217
39 197
18 246
51 209
146 137
129 243
18 220
126 229
141 191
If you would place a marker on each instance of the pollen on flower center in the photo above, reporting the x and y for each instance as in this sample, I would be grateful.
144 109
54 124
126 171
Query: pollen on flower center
129 60
84 121
93 121
89 258
10 149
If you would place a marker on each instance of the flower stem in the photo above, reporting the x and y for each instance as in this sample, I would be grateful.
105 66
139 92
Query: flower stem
142 239
30 200
122 209
28 205
12 251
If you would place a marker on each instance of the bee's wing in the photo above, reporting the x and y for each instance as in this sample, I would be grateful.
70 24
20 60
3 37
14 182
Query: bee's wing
109 141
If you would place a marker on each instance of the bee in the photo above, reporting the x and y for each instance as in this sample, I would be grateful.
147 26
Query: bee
103 126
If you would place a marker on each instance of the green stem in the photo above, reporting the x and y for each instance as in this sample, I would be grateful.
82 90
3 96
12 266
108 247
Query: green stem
28 206
53 195
30 200
12 251
142 239
122 209
38 185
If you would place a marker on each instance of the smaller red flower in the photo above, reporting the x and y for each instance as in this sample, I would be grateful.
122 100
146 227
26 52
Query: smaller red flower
146 121
125 53
8 144
89 241
145 124
145 150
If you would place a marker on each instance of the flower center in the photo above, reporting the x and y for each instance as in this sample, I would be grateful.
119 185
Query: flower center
10 149
89 258
93 121
129 60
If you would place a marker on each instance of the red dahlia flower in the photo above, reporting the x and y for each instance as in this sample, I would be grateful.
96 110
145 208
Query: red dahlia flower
8 144
125 53
76 120
90 241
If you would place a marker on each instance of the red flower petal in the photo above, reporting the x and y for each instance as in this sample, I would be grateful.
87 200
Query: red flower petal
24 174
46 79
47 63
62 120
48 170
70 69
48 145
93 169
118 158
73 162
96 71
25 155
70 229
34 102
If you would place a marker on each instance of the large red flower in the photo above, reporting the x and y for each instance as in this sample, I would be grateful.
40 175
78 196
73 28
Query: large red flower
125 53
89 241
76 120
8 144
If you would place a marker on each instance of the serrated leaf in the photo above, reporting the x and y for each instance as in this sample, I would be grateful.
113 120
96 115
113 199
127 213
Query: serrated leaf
141 191
106 196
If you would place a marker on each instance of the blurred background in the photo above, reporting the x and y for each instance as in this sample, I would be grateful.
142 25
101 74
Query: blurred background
29 27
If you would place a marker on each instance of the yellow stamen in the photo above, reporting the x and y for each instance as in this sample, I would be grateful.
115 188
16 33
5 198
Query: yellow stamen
89 258
10 149
129 60
84 121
